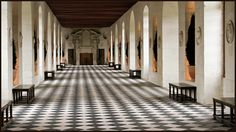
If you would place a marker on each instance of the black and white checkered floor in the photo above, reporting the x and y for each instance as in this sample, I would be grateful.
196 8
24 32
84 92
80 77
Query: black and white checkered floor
98 98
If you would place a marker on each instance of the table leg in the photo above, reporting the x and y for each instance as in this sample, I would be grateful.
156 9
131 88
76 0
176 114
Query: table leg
21 97
169 91
173 92
30 93
33 92
2 118
214 109
27 96
7 114
11 110
14 98
190 94
195 98
185 94
177 93
222 111
181 95
231 115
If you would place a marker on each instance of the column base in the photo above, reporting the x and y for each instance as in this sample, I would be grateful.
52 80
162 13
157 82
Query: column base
49 75
111 64
63 65
117 66
135 73
59 68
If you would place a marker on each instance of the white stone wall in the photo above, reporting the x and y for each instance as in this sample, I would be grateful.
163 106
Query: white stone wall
229 80
155 10
171 17
6 44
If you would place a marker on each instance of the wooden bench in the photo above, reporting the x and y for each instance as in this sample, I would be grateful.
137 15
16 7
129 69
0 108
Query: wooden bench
117 66
111 64
49 75
6 106
18 96
135 73
59 67
229 118
185 90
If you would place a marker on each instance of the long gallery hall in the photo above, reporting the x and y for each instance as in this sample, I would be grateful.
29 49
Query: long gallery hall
126 65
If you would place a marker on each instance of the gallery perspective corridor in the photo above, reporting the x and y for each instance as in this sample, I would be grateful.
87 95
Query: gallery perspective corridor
100 98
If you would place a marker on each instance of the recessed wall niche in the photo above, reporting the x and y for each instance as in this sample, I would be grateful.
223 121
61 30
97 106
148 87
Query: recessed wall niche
154 47
109 54
35 44
16 44
113 50
139 52
127 52
119 53
16 59
190 41
139 58
45 53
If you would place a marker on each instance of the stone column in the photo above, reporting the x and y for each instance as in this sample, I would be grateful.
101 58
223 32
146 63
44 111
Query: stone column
49 51
116 46
170 47
6 51
41 44
123 48
58 44
61 41
111 51
54 45
27 44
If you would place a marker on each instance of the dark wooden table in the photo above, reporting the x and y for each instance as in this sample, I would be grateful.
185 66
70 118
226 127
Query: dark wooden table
227 119
111 64
18 96
135 73
117 66
6 106
49 75
186 91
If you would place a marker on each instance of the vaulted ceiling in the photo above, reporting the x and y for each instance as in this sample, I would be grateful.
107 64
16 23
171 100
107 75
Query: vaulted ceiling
89 13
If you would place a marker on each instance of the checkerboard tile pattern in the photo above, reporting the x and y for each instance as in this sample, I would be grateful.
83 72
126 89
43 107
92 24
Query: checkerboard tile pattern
98 98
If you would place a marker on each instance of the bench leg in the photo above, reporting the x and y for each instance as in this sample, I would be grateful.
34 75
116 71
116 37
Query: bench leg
2 118
27 96
231 115
222 111
7 114
177 94
169 91
214 109
173 92
14 97
11 110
